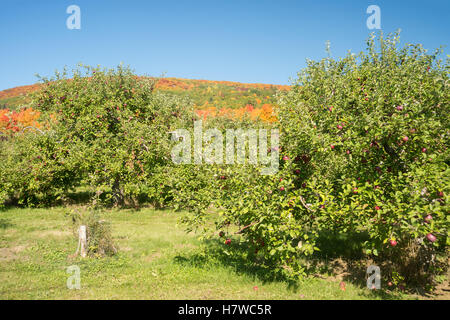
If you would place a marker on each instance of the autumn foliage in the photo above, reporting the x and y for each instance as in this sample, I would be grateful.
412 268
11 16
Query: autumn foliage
212 99
18 91
13 121
266 113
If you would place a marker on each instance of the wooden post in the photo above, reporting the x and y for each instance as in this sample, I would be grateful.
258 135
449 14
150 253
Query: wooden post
83 241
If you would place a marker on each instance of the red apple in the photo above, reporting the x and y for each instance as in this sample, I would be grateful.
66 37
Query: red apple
424 150
282 189
228 241
431 237
405 138
377 208
332 146
428 218
393 243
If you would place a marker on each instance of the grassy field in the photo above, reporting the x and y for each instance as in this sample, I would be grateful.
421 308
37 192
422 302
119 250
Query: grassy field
156 260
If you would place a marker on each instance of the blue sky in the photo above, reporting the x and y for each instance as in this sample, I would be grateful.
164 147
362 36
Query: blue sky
247 40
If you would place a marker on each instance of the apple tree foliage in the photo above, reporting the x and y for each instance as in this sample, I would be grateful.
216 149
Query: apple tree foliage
364 149
108 131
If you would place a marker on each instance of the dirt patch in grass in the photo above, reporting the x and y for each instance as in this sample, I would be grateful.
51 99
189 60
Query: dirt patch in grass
153 256
53 234
442 291
9 254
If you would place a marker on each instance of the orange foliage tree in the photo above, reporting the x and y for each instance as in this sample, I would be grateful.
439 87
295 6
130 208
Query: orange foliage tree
266 113
12 121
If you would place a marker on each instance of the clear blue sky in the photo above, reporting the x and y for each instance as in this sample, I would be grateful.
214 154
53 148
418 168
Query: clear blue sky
247 40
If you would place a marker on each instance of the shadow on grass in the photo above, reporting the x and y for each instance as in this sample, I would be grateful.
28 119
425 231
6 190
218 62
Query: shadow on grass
77 198
240 261
340 257
4 224
71 198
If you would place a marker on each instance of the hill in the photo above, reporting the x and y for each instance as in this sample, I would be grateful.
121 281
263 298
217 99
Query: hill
205 94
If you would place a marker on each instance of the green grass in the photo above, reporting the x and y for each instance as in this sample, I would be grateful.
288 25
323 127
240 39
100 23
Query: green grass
156 260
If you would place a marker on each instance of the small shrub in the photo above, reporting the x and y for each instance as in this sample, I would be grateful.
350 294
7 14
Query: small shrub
99 239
